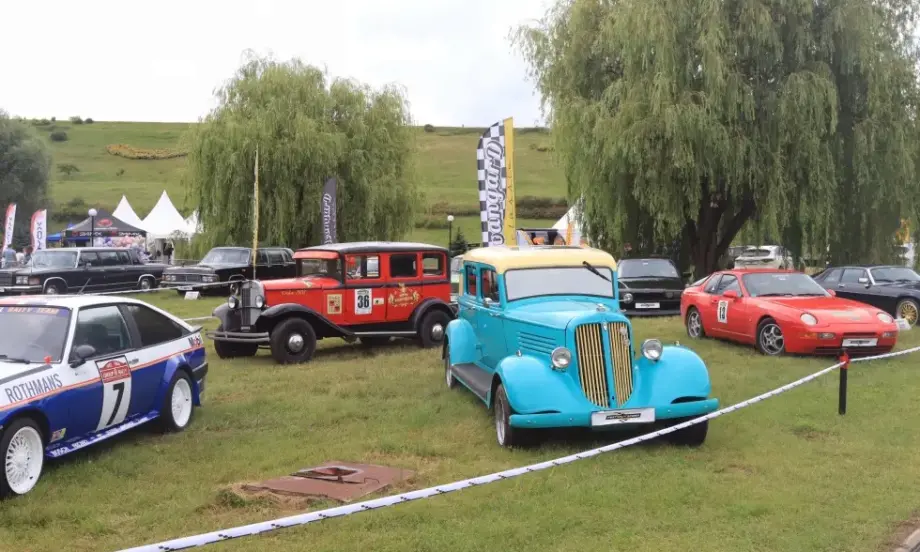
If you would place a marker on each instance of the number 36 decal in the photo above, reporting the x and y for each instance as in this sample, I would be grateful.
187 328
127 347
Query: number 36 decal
362 301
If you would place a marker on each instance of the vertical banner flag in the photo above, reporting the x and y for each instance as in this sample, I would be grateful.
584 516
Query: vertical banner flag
328 208
39 229
495 171
255 216
8 227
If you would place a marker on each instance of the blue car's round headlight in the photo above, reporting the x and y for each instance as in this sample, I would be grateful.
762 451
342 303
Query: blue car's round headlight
652 349
561 358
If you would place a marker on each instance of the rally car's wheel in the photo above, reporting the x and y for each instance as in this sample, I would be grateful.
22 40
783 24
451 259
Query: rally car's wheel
23 453
228 349
431 330
770 339
293 341
506 435
692 436
176 411
448 369
695 324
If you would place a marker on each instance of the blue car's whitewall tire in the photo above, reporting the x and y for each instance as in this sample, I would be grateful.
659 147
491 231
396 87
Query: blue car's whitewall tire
177 406
506 435
22 451
448 369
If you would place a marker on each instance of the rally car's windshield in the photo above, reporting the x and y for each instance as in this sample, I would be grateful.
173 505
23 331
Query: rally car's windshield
227 256
647 268
54 259
534 282
32 334
782 284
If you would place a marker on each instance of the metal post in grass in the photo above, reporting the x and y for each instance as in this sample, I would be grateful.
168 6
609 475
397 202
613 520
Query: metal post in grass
842 406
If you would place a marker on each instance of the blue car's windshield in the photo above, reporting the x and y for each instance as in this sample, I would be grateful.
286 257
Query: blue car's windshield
32 334
535 282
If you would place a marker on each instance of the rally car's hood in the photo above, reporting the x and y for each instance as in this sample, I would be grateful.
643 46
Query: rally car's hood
829 309
309 282
652 283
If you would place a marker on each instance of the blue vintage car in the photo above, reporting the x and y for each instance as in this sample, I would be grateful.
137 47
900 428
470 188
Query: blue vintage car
540 338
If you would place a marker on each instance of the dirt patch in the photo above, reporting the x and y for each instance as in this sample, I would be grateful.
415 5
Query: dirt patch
900 533
810 433
736 468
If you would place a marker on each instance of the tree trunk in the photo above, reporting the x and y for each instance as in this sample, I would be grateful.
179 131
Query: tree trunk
709 240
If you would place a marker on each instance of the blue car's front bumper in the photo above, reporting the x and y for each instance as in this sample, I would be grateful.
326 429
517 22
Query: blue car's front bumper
583 418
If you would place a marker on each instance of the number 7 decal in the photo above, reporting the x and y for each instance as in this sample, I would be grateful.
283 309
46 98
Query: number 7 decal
116 391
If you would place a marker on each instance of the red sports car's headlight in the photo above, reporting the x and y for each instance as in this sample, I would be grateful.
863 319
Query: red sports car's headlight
884 318
808 319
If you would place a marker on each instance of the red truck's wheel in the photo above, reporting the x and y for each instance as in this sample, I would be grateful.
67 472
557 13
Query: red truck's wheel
431 330
293 341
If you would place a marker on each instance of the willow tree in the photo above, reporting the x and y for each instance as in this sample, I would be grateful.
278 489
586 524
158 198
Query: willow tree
307 128
25 164
795 117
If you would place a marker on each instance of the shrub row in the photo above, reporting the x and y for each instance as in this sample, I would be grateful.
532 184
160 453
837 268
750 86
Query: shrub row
130 152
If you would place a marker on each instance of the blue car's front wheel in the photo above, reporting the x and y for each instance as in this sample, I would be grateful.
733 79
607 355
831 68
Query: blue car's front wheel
506 435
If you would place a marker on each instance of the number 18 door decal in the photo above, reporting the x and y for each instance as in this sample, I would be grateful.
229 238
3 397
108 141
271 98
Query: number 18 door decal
722 314
116 391
363 301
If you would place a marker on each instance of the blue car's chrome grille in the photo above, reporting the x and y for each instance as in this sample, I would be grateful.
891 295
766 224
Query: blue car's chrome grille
536 343
621 357
592 362
592 369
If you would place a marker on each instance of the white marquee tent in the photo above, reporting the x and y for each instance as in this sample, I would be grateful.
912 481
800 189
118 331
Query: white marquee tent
164 220
570 226
193 224
125 213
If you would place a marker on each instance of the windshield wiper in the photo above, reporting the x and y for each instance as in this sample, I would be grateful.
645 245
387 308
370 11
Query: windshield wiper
775 295
8 358
587 265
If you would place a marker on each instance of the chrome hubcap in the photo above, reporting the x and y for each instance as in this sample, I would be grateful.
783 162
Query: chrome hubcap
295 343
771 339
145 284
500 422
694 324
437 332
51 290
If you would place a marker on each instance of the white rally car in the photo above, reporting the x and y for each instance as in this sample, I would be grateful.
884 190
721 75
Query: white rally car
75 370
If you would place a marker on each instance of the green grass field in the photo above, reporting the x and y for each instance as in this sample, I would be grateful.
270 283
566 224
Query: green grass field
446 164
787 474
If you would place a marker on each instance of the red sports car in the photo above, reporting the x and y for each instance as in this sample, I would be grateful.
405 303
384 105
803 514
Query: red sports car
781 311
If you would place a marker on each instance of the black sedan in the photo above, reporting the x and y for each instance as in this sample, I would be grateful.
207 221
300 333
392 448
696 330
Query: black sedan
894 289
649 287
230 265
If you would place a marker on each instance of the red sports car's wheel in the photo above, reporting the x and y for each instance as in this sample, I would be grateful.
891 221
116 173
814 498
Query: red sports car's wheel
770 339
695 324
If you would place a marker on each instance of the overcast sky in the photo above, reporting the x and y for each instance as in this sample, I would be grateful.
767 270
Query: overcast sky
160 61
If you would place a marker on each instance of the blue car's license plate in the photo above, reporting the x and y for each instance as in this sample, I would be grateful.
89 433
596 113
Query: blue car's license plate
626 416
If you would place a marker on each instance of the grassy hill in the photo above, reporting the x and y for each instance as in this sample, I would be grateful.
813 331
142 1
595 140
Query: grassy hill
446 164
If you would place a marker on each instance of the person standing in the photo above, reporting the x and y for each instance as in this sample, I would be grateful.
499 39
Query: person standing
168 251
9 257
27 256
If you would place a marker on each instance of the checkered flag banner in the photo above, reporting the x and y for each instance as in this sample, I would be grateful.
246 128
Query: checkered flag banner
494 158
